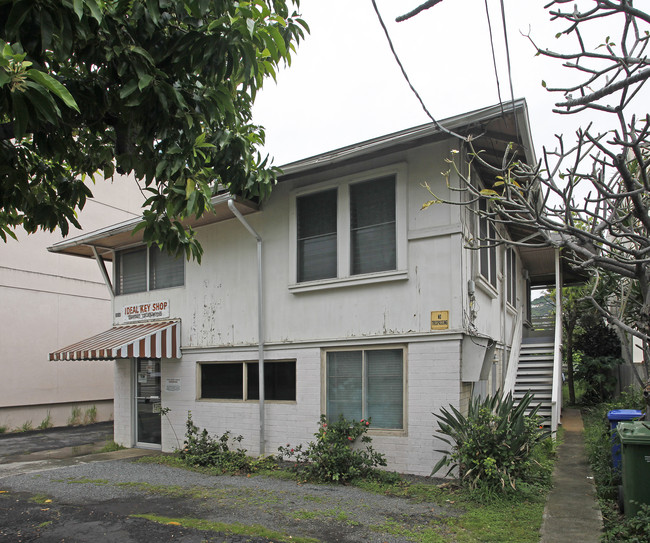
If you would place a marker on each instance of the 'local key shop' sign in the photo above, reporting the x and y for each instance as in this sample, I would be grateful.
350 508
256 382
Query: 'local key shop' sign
143 312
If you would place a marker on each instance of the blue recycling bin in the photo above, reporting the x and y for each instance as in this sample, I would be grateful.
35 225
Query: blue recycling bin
615 416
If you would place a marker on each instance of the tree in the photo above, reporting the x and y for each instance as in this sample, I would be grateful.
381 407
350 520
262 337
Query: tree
161 89
592 198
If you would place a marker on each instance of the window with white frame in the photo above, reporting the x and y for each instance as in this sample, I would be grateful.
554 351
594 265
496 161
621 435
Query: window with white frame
488 251
147 268
240 381
511 279
350 228
366 383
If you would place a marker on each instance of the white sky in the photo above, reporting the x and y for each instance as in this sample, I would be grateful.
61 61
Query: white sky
344 86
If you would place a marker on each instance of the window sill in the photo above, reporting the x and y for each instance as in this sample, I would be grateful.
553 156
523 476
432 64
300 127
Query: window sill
233 400
486 287
387 433
352 281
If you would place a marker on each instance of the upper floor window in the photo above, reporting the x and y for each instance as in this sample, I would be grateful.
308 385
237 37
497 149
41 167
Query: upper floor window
372 226
488 251
147 268
351 228
317 244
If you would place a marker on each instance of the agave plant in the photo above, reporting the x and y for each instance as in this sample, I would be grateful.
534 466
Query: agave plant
492 445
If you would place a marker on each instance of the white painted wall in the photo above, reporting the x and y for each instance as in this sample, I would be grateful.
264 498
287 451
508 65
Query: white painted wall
218 308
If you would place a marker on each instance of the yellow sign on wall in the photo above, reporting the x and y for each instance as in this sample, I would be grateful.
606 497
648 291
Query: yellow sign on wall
439 320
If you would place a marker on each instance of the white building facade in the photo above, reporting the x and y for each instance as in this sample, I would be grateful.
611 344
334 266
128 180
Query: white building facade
369 306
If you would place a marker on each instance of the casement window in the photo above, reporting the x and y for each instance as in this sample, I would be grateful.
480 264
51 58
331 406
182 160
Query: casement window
349 229
240 381
511 276
147 268
488 252
366 383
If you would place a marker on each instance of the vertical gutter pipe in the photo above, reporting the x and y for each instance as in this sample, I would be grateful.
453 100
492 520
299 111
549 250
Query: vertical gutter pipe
260 316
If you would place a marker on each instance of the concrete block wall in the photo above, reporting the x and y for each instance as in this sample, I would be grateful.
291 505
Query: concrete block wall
433 381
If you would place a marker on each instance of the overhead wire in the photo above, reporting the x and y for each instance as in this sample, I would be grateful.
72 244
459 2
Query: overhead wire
415 92
494 57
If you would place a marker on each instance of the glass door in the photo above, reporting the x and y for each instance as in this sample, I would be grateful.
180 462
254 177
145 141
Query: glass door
148 420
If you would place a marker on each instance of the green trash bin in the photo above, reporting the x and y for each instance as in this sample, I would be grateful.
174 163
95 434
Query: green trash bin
635 452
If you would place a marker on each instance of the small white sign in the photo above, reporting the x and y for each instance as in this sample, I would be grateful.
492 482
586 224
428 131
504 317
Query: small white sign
142 377
143 312
173 385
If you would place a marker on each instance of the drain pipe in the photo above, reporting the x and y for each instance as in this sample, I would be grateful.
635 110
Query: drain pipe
260 318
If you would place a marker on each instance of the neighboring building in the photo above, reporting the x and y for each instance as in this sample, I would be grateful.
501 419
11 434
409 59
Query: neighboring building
370 306
49 299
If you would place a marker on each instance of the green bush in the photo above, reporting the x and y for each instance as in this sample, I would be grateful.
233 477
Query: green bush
493 448
635 529
333 457
200 449
598 441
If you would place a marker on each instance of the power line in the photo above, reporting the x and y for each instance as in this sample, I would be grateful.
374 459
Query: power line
494 58
417 95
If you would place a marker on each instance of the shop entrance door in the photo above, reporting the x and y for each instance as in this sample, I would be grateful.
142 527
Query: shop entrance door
147 400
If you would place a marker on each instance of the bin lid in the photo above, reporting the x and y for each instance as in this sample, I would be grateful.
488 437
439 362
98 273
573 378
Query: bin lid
637 432
624 414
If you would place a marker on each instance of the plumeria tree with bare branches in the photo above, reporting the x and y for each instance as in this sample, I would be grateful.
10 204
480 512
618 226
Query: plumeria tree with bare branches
591 198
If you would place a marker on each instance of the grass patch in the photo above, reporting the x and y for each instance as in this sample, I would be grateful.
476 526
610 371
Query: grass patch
111 446
40 499
45 524
231 529
86 481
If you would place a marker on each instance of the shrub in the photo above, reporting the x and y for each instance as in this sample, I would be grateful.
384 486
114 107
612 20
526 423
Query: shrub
598 441
634 529
493 448
333 457
200 449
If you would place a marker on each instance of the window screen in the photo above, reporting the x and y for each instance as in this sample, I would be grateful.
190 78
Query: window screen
279 381
165 270
372 226
317 253
131 271
367 384
230 381
487 255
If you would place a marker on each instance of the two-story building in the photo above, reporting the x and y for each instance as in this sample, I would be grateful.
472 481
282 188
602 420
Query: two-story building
337 295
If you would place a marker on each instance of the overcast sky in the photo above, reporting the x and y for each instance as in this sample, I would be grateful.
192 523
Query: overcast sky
344 86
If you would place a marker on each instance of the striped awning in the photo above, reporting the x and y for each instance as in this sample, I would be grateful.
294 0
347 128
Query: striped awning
160 339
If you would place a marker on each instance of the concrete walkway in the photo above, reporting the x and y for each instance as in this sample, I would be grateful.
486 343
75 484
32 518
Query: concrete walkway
572 514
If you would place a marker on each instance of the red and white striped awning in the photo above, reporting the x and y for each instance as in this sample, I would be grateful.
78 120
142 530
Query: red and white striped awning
161 339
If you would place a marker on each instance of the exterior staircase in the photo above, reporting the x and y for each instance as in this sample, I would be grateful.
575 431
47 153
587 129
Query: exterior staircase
535 374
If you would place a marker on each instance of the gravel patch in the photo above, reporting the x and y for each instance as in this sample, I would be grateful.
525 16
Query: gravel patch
327 513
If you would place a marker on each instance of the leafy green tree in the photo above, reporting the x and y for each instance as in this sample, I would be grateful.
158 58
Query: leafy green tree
161 89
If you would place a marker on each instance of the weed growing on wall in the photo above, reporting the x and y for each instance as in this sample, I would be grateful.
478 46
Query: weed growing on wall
493 447
46 422
90 416
26 426
75 416
333 457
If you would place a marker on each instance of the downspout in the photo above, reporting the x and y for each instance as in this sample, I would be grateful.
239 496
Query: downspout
260 316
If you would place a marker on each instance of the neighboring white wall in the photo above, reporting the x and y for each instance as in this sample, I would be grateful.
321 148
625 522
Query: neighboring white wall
49 301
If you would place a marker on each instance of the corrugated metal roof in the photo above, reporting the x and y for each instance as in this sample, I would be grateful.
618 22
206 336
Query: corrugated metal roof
159 339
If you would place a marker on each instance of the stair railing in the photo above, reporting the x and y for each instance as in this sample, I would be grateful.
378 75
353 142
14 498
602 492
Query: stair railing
513 359
556 396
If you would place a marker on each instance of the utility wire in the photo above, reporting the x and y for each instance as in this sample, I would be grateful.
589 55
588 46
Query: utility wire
512 92
494 58
417 95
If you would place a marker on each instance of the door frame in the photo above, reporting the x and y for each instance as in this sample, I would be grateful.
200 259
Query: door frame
134 403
